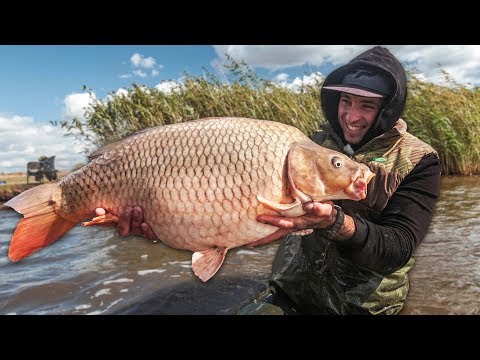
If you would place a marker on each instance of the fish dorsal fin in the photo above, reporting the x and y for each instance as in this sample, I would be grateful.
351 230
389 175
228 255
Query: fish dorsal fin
117 145
99 152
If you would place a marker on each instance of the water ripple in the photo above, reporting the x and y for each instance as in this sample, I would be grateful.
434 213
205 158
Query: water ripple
93 271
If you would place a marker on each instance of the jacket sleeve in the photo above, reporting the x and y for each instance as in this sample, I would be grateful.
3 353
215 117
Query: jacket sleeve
387 245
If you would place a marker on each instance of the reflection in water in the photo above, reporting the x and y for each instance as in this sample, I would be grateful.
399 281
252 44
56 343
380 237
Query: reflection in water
93 271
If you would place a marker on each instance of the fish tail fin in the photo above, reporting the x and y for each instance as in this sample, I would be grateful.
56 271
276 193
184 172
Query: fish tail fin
40 226
207 262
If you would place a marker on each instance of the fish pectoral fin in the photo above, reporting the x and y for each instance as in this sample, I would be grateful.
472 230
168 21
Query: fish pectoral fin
291 210
103 220
207 262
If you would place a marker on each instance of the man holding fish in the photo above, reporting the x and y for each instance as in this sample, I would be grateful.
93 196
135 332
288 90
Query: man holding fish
358 257
351 205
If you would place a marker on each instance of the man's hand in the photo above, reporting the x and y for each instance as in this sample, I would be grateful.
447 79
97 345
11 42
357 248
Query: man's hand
318 216
131 221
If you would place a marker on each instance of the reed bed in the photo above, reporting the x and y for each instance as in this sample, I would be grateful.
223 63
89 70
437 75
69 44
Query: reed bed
447 117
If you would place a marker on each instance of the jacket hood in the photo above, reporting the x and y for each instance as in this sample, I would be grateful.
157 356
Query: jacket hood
375 58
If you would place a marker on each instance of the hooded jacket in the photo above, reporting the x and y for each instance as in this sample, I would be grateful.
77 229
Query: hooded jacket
377 58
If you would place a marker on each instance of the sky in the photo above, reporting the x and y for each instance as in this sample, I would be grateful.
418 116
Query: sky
40 83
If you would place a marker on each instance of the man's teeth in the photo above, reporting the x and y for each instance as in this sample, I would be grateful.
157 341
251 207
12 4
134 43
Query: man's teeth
354 128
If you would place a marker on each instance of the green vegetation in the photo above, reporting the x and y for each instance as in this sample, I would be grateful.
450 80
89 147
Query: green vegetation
448 118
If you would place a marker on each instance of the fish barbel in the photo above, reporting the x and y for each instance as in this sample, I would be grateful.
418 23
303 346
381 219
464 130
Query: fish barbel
201 185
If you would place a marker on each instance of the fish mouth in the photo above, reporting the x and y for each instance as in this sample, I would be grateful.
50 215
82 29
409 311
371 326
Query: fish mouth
357 190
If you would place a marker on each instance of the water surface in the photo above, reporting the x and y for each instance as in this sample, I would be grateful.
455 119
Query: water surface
94 271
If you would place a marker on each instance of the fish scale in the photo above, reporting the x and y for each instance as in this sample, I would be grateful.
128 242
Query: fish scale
200 185
211 186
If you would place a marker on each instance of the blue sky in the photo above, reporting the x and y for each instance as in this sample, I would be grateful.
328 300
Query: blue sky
42 83
36 79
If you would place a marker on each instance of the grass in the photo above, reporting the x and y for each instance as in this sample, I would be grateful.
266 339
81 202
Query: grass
15 178
446 117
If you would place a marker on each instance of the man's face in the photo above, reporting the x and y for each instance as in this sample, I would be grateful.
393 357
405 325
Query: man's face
356 114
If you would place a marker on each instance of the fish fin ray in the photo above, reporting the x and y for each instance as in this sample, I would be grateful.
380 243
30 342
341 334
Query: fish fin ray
40 225
291 210
207 262
34 199
103 220
37 231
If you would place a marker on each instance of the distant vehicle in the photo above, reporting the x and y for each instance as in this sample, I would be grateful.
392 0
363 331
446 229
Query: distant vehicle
2 182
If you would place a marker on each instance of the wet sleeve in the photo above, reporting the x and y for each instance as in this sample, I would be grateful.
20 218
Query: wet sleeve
387 245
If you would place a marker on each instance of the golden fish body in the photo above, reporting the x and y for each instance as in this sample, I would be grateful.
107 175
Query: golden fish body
201 185
196 181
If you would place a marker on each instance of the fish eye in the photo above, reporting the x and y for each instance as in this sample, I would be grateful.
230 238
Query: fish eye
337 162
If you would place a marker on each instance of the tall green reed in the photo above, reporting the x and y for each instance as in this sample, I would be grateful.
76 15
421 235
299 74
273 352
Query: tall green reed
446 117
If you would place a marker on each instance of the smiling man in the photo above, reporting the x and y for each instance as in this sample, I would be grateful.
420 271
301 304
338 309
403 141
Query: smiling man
358 257
356 114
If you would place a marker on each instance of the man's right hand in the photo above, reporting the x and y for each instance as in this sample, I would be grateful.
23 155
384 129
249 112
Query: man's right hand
131 221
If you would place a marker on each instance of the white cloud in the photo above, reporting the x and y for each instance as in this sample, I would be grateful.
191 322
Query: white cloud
24 140
461 61
298 82
76 104
168 86
149 62
275 57
140 73
281 77
142 64
118 93
121 92
138 60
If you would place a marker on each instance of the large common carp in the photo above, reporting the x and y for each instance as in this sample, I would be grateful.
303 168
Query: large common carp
200 183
